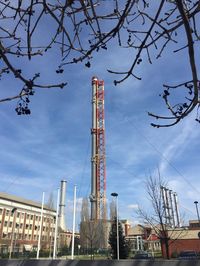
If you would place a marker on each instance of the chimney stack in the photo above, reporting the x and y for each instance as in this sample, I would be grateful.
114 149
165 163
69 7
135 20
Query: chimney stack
62 205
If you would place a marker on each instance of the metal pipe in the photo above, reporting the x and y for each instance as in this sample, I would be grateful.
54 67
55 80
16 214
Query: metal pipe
176 209
167 206
172 208
164 202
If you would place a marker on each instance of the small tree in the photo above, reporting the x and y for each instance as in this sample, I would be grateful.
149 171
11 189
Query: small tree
123 245
50 202
92 232
156 219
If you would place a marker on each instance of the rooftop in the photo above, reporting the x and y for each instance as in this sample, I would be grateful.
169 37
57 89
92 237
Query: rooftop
17 199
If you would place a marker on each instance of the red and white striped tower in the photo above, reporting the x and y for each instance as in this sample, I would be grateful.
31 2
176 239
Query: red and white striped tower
98 162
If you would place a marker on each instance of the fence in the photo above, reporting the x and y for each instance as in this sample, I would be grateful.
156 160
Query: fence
99 262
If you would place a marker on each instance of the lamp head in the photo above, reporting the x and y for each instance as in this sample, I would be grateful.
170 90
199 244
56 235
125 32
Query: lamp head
114 194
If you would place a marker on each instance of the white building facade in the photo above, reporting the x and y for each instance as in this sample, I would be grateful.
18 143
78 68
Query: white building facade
20 222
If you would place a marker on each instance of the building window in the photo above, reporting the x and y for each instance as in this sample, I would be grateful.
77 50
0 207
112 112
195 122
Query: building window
29 237
4 235
27 226
18 214
16 225
1 211
5 223
10 224
21 225
31 217
27 217
7 212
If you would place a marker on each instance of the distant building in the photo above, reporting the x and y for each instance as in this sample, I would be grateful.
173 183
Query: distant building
20 221
65 238
126 226
143 237
194 224
184 238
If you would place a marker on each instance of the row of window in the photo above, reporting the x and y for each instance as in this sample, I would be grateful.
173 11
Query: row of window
26 237
28 226
28 216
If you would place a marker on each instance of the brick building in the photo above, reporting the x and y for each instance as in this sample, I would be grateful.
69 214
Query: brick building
184 238
20 221
143 237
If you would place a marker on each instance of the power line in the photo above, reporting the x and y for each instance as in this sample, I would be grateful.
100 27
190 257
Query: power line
188 210
164 157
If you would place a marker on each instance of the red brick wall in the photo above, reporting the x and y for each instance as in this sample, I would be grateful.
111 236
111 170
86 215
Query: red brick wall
181 245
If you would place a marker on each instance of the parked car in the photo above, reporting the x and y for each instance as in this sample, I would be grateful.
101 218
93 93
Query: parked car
143 256
188 255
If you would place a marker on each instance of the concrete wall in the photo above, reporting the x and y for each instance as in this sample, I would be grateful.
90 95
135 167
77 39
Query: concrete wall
99 263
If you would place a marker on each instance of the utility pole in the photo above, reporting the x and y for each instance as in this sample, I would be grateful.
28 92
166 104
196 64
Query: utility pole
13 211
41 225
117 218
74 223
197 210
56 225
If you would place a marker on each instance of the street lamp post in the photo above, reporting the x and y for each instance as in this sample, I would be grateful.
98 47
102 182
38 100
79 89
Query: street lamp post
79 246
196 204
13 231
117 218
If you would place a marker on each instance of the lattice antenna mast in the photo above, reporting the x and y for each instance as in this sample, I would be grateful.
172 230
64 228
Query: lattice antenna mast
98 163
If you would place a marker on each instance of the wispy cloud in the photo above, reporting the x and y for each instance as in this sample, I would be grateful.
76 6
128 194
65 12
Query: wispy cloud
184 136
132 206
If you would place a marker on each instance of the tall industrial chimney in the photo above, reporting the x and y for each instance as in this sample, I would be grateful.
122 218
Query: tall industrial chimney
98 161
93 195
62 205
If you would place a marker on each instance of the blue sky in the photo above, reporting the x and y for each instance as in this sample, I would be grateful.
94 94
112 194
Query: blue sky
54 142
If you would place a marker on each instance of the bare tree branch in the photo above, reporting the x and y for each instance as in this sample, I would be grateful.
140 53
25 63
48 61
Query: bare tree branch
80 28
